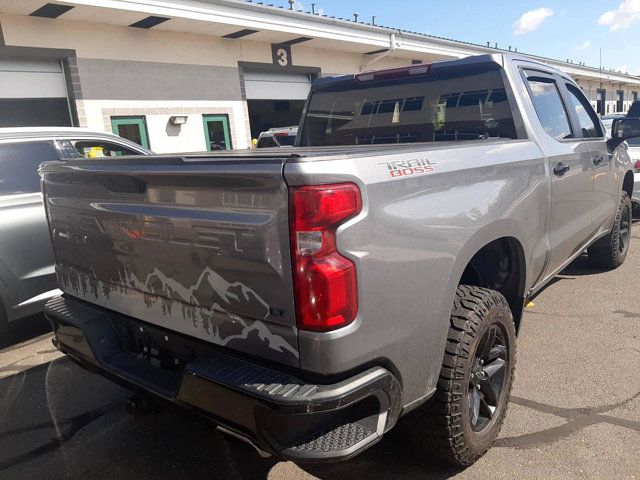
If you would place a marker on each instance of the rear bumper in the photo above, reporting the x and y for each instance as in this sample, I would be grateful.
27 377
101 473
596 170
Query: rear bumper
278 412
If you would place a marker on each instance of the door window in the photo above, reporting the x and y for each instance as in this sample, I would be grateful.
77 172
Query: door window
19 164
549 107
131 128
589 124
216 132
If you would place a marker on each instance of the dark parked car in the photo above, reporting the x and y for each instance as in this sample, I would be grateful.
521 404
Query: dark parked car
27 276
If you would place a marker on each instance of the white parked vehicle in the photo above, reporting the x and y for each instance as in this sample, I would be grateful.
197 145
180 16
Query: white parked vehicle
278 137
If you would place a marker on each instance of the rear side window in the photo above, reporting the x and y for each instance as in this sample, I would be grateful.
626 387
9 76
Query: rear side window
97 149
549 107
462 102
19 164
589 124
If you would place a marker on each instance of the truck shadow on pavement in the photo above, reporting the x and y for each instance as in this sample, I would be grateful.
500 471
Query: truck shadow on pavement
59 422
24 329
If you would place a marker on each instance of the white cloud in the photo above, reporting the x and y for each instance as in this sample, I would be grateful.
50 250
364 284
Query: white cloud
627 13
585 45
530 21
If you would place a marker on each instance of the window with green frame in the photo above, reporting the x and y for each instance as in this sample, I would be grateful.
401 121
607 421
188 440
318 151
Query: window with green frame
132 128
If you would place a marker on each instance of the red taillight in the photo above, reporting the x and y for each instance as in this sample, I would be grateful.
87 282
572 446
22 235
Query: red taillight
324 281
636 167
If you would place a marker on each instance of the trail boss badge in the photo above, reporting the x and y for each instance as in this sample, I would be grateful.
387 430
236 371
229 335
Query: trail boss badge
406 168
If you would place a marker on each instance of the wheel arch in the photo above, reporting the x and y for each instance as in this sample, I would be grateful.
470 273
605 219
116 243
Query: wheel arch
496 259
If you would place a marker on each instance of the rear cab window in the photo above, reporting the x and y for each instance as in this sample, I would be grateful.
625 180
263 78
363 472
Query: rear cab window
266 142
443 103
19 162
285 140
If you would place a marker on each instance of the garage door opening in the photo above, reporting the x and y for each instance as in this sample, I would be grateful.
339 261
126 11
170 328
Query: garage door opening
275 99
33 93
266 114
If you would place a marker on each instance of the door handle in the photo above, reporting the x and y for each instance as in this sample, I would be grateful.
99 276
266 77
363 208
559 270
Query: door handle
560 169
598 160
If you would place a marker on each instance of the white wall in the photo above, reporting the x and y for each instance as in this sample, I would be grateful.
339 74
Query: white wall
166 138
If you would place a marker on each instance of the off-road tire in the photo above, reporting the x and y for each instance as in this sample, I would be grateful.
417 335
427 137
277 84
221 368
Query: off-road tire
610 252
442 426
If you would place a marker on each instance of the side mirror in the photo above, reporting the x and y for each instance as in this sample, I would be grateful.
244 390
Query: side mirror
623 129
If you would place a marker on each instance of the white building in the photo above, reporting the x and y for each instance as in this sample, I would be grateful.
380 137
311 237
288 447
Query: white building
183 75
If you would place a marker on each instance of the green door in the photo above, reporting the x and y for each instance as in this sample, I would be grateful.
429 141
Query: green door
131 128
216 132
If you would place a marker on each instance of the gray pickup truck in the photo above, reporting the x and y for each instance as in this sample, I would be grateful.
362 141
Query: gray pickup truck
306 299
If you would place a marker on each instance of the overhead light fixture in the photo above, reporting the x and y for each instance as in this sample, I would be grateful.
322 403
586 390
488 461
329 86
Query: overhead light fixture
178 120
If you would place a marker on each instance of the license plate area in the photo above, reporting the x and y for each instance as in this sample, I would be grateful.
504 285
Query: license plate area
159 347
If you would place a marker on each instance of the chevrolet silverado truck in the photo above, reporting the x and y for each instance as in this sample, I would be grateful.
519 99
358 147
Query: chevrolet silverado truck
306 299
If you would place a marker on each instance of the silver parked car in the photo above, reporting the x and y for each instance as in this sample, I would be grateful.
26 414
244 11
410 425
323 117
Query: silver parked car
27 277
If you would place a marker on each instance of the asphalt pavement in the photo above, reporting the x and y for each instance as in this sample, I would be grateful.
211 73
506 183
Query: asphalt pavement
574 412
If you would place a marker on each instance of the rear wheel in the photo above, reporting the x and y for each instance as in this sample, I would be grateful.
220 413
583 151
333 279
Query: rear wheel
611 251
462 420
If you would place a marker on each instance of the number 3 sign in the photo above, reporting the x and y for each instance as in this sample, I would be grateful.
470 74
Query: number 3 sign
281 55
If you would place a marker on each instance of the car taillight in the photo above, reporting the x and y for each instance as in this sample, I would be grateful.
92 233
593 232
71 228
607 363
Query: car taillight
324 281
636 167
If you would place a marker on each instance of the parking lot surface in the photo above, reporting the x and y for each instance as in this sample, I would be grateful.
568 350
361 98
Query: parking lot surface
574 413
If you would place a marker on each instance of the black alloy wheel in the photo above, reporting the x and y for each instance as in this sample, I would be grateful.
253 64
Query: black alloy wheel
487 377
624 230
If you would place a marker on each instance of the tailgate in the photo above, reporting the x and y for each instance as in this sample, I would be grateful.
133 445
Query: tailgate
198 247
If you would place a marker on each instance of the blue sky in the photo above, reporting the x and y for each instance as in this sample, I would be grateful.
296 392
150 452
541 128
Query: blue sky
557 29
